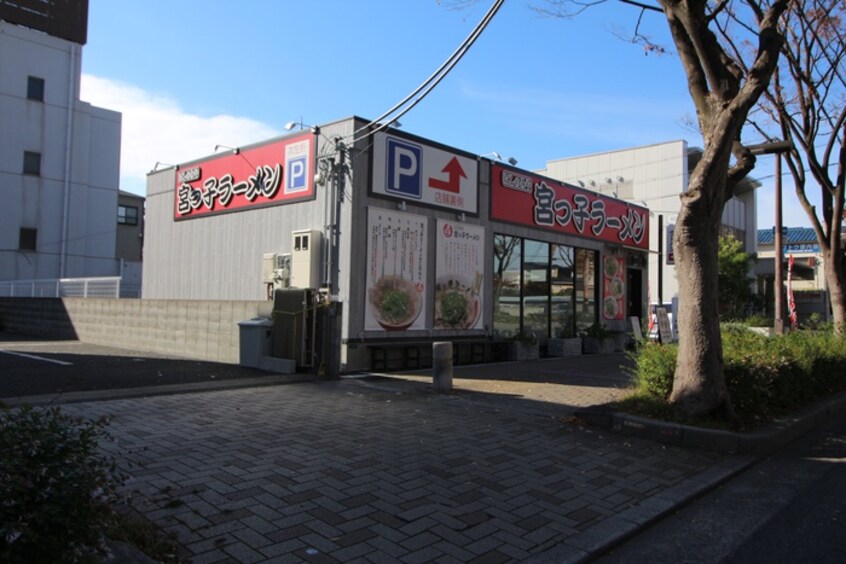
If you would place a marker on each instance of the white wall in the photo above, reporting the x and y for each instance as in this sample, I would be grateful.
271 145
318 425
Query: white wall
654 175
73 202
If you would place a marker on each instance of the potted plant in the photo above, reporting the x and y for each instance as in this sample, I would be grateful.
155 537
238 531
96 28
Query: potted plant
564 342
592 338
524 346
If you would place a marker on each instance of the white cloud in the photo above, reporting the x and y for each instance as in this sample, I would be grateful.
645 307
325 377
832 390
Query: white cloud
155 128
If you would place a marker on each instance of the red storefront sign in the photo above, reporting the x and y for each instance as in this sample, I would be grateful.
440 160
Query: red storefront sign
536 201
280 172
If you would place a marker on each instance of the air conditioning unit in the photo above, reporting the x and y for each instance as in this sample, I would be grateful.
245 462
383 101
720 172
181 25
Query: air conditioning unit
306 248
276 270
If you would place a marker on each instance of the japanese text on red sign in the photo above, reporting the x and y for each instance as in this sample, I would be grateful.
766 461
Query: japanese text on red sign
551 209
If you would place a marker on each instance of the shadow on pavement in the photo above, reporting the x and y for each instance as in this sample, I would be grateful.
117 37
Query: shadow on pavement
33 367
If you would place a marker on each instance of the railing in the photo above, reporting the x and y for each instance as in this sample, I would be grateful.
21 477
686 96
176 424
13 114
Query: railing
103 287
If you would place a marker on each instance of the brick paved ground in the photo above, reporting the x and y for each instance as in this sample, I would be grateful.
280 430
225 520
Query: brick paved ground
386 470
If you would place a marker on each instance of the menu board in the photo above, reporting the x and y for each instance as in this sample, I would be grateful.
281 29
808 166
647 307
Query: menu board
613 287
396 271
458 275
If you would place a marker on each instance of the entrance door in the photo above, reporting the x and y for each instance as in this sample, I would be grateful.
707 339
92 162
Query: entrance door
634 292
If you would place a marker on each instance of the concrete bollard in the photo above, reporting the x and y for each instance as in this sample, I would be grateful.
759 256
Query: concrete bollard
442 366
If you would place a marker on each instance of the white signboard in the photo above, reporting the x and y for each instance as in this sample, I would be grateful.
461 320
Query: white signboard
665 333
409 170
396 271
460 267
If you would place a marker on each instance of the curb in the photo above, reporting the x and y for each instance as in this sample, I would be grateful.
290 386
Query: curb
761 442
158 390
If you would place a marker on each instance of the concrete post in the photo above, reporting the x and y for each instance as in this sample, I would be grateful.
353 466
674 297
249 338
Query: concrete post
442 366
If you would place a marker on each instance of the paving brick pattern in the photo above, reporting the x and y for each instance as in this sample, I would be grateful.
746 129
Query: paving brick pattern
364 471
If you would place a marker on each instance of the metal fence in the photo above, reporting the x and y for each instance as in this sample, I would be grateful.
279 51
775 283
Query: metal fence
103 287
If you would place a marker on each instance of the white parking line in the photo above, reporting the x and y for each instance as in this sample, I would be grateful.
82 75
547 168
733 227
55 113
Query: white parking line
32 356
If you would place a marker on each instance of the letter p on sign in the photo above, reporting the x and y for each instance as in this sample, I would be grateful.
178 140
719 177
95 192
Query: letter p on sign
404 164
296 175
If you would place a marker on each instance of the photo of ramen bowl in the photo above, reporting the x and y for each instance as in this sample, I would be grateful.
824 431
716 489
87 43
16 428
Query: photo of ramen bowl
395 302
609 308
616 288
610 266
457 304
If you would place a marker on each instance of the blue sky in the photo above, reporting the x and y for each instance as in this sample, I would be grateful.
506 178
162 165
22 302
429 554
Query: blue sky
188 75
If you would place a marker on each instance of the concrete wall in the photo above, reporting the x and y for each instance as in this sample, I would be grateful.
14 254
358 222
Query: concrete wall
205 330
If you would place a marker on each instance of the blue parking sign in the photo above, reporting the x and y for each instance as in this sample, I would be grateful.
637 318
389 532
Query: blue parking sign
296 177
404 164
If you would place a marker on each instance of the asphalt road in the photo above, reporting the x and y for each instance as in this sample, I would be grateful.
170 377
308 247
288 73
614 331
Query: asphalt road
33 367
791 507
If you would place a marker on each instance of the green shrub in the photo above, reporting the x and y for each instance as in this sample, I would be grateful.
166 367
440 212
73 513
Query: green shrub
655 365
765 376
55 485
759 320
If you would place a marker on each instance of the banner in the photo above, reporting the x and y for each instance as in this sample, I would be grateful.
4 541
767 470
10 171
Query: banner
791 301
396 271
459 275
280 172
613 287
528 199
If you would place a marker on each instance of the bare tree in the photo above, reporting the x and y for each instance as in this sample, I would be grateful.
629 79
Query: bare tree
806 102
724 90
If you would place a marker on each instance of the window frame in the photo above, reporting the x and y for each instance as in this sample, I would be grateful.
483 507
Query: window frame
25 235
126 218
35 88
30 158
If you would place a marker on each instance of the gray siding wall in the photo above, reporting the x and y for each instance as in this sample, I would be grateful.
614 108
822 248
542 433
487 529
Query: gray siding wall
217 256
205 330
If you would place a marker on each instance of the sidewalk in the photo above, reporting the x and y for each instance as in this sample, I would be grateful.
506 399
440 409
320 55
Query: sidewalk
380 468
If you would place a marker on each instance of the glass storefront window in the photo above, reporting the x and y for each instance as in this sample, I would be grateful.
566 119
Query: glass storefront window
545 288
586 288
536 288
562 310
506 286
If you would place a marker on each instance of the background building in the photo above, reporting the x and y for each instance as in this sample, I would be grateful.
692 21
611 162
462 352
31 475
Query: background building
59 156
129 242
807 275
655 176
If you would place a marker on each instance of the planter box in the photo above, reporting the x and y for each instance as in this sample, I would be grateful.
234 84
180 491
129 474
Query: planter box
610 345
522 351
590 345
564 347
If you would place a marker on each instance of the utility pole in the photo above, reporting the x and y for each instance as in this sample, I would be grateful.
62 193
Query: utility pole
661 260
778 289
776 148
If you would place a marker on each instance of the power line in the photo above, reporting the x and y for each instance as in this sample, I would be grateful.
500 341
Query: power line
433 80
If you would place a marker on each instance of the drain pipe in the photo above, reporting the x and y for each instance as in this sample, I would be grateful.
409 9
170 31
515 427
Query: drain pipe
72 94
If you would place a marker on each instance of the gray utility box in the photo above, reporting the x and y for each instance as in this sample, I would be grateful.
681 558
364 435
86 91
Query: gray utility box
256 336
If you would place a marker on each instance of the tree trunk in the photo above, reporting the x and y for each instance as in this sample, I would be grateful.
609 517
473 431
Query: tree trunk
834 278
698 384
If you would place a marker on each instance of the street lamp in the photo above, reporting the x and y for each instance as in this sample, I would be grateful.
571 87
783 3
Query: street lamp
292 124
776 148
496 156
